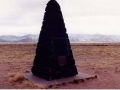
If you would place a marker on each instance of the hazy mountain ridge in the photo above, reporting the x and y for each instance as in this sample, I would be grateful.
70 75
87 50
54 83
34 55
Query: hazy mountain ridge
72 38
13 38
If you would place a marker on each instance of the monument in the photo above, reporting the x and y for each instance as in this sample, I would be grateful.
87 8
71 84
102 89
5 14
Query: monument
54 58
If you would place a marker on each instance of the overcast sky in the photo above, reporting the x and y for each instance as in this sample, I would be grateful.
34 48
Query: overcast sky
20 17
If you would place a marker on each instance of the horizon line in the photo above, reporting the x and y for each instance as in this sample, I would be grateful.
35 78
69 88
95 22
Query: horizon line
67 33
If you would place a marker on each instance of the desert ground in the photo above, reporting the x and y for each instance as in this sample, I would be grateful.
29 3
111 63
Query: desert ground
101 59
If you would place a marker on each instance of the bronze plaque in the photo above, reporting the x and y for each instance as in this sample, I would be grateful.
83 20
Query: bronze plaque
62 60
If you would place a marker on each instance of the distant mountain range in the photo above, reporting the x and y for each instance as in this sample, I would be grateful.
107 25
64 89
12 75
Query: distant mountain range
72 38
94 38
25 38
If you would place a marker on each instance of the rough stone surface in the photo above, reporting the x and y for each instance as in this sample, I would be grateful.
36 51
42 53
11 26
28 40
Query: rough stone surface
54 58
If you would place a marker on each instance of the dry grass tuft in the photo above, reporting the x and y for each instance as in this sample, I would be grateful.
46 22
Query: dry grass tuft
41 86
19 79
16 77
76 81
81 80
63 83
94 77
50 86
27 84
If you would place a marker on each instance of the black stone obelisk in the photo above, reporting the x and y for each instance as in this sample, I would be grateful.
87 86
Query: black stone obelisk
54 58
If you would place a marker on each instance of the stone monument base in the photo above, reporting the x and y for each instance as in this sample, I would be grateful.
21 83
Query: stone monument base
78 78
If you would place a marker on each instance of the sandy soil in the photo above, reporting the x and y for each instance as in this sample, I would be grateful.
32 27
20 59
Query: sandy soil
101 60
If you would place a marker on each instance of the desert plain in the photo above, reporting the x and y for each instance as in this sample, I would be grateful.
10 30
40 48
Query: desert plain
101 59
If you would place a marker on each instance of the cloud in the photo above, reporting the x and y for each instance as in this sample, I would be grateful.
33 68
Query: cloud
91 7
17 12
94 24
81 16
